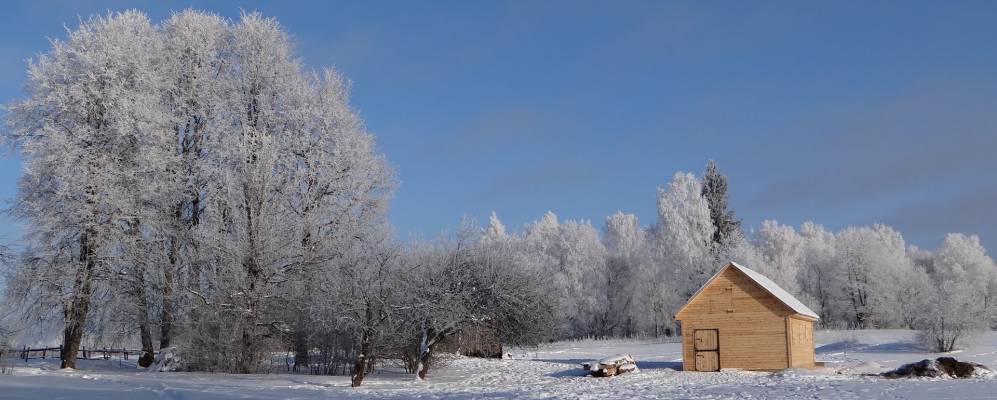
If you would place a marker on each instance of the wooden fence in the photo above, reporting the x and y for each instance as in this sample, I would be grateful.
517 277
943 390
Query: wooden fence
105 353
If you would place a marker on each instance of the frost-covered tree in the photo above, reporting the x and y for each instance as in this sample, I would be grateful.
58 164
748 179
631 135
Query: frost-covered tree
681 248
816 271
575 257
683 234
190 67
914 297
629 273
868 264
947 323
364 299
190 177
459 284
962 258
782 251
962 303
91 104
337 190
581 272
495 230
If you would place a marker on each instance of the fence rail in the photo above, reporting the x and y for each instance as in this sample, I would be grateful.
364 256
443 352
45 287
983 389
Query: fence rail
27 353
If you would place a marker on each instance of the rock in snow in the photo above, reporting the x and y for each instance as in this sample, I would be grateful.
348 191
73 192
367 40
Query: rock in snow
940 367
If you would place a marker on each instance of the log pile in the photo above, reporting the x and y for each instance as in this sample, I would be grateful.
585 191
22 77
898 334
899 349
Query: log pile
611 366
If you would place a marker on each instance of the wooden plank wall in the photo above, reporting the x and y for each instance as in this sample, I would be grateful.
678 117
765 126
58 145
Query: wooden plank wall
752 324
801 334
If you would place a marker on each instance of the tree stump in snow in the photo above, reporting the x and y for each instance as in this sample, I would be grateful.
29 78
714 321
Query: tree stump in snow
611 366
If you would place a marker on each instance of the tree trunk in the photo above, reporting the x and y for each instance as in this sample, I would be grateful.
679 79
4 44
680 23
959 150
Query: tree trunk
362 362
429 339
75 312
148 352
422 369
247 359
166 319
300 301
138 291
365 358
301 359
145 330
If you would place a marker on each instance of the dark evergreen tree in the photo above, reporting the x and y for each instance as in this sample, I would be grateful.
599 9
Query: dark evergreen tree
715 192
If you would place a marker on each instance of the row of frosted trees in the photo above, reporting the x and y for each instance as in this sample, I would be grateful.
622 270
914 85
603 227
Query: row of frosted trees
628 279
189 186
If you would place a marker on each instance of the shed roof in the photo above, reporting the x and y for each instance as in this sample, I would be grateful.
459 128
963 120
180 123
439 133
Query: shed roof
781 294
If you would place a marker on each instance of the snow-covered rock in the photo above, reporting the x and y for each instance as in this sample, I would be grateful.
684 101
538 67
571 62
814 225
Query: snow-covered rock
941 367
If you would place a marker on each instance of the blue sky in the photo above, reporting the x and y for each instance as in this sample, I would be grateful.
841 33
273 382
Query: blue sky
848 113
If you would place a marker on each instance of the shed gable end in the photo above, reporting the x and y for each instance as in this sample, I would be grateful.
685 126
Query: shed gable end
732 292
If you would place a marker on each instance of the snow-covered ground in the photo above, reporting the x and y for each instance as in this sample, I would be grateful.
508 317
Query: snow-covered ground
548 372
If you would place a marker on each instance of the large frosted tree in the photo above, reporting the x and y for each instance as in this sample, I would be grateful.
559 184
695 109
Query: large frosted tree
684 233
680 249
630 274
91 109
961 301
191 171
193 97
869 262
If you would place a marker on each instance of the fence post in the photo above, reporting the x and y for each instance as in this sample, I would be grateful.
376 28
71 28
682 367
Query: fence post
62 354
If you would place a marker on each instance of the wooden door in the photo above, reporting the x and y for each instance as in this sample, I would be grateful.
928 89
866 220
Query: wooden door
707 344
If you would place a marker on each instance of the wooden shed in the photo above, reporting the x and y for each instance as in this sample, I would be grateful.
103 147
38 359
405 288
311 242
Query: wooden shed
741 319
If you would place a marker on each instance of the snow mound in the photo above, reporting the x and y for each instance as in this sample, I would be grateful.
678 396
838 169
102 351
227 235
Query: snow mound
800 372
865 368
166 361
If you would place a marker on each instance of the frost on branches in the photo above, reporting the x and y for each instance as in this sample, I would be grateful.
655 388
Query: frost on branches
190 186
191 176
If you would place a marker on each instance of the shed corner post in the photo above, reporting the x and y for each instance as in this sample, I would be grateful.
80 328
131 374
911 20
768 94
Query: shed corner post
789 341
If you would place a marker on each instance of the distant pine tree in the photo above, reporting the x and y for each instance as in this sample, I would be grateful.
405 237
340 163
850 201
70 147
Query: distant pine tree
715 191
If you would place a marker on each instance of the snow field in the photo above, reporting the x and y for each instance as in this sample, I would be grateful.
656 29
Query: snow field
549 372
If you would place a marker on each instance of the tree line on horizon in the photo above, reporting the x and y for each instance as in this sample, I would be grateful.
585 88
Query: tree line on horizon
628 280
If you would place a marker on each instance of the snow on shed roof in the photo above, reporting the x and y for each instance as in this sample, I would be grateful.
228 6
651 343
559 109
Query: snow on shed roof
777 291
789 300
